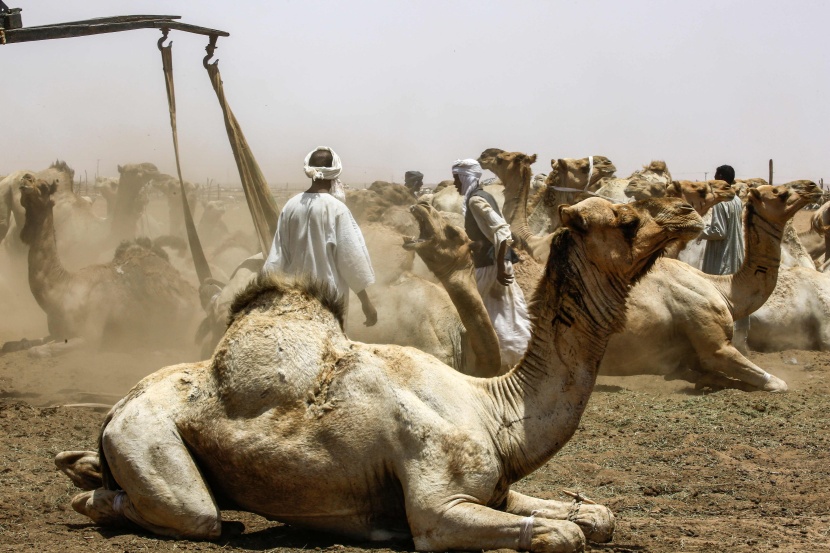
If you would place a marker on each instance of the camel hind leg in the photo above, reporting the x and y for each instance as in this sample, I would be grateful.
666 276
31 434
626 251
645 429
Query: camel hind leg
163 488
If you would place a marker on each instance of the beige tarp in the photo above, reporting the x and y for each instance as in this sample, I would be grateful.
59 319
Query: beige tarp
202 269
260 201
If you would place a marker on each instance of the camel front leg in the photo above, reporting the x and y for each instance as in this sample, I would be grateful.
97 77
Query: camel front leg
596 521
471 526
729 361
713 344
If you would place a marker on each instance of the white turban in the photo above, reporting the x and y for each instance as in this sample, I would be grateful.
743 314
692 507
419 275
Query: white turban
469 173
323 173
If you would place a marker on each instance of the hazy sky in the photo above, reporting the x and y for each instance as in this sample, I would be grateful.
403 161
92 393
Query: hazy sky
394 85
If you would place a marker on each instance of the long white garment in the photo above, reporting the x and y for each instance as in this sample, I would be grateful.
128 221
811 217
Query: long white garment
318 237
505 304
508 311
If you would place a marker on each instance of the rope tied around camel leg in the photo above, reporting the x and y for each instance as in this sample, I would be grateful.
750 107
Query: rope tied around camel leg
118 503
526 532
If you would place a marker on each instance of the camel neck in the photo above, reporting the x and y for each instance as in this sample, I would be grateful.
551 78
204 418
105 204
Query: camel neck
46 273
513 182
129 205
540 402
748 289
519 222
461 287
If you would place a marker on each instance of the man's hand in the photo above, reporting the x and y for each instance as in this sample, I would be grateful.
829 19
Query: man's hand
369 310
504 278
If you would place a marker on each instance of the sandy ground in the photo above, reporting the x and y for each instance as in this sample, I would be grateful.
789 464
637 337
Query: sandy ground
682 470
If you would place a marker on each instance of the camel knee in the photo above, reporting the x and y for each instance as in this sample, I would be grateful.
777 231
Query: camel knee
82 467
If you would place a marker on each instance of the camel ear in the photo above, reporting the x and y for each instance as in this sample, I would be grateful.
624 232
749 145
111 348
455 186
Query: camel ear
554 163
531 159
673 189
754 193
120 169
572 218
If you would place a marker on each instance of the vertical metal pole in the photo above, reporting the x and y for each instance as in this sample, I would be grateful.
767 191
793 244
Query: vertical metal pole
770 172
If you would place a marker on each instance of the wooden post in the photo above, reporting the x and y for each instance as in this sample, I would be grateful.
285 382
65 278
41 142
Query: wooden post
770 172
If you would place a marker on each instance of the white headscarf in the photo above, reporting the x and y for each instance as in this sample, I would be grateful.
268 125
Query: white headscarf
469 173
323 173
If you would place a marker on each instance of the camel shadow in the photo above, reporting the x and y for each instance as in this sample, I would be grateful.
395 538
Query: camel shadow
233 535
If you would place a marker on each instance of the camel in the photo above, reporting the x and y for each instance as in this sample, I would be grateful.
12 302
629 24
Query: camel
796 315
446 197
504 166
681 319
169 186
820 224
74 217
575 174
585 173
131 198
137 298
277 421
445 249
108 189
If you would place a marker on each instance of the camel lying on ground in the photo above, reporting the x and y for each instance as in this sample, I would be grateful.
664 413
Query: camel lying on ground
293 421
137 298
681 319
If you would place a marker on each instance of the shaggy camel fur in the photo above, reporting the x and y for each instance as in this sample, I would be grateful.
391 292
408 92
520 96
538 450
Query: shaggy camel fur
681 319
291 420
137 298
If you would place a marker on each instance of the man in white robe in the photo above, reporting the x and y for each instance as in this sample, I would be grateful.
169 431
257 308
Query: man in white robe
493 259
318 237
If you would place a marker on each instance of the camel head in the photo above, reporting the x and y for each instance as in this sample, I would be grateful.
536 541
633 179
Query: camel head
504 164
701 195
652 181
36 199
641 189
440 244
143 171
573 173
626 239
778 204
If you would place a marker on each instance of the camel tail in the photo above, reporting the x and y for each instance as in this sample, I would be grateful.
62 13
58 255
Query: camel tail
107 479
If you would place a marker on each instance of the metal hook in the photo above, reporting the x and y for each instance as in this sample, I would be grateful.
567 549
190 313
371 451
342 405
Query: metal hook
210 48
164 32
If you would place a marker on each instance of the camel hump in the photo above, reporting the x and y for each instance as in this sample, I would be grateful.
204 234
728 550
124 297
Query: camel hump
267 284
140 246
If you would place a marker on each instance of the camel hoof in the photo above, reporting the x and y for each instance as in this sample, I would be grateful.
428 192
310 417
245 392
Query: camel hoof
775 384
97 505
558 536
597 522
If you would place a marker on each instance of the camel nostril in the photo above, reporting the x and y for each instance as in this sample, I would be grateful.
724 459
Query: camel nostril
685 208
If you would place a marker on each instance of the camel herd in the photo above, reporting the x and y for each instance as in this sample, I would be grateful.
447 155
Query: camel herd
410 428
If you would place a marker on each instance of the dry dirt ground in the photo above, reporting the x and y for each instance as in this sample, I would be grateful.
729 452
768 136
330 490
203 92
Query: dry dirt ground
682 470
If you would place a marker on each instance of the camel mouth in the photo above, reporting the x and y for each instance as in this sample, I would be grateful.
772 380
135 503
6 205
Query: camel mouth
421 212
